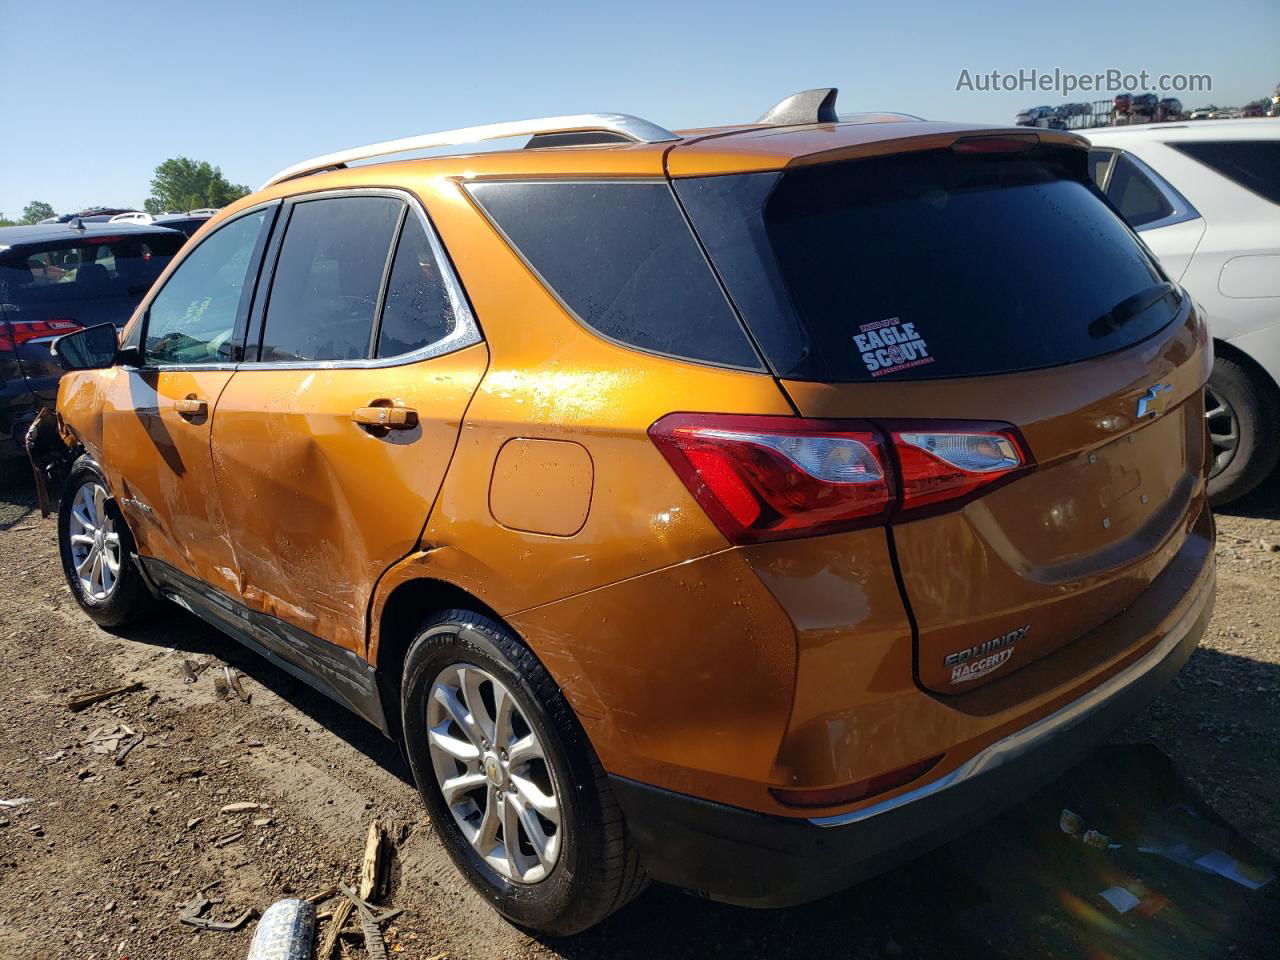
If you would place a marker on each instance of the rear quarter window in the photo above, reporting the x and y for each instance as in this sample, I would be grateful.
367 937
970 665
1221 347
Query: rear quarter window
1253 164
620 256
1138 199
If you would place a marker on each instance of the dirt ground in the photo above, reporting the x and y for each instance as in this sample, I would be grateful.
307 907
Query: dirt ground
100 862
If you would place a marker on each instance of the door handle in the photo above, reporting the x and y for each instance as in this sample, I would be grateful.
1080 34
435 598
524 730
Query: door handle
387 418
191 406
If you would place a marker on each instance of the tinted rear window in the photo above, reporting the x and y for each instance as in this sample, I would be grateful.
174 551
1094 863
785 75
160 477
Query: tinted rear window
931 264
1254 164
91 280
620 256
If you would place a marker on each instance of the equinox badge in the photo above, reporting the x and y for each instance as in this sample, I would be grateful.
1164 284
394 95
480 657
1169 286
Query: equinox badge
983 658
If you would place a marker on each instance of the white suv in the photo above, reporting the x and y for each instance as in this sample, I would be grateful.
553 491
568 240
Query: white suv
1206 199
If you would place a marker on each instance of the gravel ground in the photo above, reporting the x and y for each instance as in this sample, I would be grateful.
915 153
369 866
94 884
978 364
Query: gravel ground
100 862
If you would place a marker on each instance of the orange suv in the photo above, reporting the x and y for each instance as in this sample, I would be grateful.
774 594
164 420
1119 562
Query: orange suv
746 508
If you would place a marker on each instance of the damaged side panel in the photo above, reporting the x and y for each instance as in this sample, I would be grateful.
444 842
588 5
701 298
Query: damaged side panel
55 440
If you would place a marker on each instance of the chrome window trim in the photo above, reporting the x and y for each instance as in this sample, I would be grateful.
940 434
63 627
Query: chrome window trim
466 331
1011 747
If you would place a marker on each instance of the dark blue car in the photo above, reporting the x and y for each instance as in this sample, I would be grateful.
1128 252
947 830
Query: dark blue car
59 277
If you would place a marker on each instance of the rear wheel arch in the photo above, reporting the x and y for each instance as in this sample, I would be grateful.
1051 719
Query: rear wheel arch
1250 394
1228 350
406 608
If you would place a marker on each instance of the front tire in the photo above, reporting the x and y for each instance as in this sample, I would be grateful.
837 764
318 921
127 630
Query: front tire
498 754
1243 415
97 550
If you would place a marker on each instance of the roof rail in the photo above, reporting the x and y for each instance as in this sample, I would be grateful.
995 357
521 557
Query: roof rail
631 128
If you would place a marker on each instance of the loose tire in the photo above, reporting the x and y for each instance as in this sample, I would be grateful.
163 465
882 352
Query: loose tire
484 722
1243 417
97 550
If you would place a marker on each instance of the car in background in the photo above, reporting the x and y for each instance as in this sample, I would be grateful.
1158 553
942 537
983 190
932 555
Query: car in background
1170 108
1253 110
133 216
1144 105
1034 116
57 278
1045 117
187 223
90 215
1206 199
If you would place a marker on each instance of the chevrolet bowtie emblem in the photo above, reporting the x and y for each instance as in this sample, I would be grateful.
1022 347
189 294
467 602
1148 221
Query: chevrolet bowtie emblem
1151 403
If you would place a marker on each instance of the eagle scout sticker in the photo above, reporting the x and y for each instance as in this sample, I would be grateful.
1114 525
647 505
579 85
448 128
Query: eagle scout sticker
890 346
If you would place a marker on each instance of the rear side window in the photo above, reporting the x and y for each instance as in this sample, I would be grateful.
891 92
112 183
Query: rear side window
324 294
1138 199
621 258
1253 164
926 265
416 311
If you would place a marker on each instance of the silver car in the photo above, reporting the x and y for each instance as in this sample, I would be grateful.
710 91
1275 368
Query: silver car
1206 199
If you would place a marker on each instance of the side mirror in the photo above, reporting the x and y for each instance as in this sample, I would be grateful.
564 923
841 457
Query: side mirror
93 348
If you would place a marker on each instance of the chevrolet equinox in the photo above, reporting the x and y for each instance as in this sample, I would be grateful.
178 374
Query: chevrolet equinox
746 508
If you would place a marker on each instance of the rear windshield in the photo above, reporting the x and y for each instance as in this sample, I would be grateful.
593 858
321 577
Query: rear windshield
92 280
931 264
1254 164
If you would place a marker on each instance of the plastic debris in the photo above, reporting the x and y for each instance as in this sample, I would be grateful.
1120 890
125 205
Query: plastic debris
285 932
191 916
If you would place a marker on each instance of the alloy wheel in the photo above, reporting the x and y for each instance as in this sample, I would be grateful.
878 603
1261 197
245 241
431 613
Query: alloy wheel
94 543
1224 430
493 773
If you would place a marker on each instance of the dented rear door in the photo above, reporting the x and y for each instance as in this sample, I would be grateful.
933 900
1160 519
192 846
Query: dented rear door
331 444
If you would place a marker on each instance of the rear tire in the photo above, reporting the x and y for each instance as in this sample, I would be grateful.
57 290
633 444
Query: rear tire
97 550
595 870
1243 414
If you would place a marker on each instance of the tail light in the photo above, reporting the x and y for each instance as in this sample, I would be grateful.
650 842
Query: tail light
772 478
17 332
763 478
940 465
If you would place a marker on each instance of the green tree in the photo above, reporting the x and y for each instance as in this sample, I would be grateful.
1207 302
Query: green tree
35 211
181 183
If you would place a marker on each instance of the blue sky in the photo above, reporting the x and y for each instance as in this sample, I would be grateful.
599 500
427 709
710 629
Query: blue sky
94 97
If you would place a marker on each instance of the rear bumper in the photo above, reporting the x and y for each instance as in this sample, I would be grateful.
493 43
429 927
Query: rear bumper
18 407
753 859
